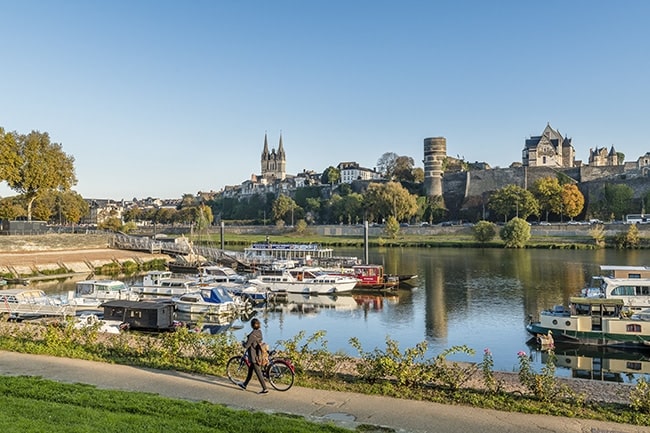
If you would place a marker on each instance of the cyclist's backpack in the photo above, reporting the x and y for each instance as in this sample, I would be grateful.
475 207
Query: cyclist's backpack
262 354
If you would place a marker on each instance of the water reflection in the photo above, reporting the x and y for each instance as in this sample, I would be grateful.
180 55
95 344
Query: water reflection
481 298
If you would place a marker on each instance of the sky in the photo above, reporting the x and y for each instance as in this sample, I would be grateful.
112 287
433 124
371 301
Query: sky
159 98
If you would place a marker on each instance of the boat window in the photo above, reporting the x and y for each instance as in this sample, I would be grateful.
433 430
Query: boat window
643 290
633 327
633 365
624 291
634 275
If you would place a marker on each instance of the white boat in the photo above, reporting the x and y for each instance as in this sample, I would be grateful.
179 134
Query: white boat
92 321
31 303
208 300
634 292
221 275
319 284
164 283
92 293
593 321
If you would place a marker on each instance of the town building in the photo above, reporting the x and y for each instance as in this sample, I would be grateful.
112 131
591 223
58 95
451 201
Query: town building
549 150
351 171
600 157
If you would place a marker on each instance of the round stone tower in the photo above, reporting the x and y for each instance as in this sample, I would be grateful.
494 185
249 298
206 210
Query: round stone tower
435 152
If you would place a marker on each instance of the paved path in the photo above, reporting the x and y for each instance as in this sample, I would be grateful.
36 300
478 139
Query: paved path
346 409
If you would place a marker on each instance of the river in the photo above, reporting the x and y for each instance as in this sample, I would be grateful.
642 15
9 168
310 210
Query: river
481 298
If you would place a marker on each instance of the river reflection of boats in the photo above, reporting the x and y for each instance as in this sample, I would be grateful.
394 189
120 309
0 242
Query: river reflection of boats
307 304
599 363
205 323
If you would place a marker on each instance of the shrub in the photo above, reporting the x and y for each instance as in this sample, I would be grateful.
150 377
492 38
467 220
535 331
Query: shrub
484 231
640 396
515 233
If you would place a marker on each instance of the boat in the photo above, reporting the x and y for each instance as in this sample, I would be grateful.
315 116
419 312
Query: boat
165 283
93 321
634 292
208 300
264 255
372 277
92 293
221 275
145 315
29 303
319 284
253 294
593 321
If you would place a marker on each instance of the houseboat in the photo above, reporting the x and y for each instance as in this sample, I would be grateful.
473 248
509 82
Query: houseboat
372 277
140 315
593 321
634 292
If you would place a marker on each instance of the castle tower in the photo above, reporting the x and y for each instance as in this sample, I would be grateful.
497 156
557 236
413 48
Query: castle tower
435 152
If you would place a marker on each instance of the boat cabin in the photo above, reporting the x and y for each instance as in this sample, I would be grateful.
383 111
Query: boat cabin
373 277
614 271
145 315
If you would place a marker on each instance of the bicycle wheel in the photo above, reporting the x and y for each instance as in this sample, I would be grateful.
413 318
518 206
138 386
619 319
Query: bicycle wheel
236 369
280 375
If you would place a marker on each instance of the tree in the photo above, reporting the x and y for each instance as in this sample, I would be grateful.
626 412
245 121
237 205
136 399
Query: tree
403 169
11 208
484 231
616 201
32 165
386 164
572 200
515 233
548 193
331 175
513 200
392 227
383 200
418 174
283 207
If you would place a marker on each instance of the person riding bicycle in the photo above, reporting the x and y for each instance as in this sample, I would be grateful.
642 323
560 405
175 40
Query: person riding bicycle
253 340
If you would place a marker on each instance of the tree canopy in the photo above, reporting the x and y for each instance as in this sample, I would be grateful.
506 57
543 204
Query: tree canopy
515 201
31 165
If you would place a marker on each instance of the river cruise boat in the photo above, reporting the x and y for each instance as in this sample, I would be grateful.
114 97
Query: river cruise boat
593 321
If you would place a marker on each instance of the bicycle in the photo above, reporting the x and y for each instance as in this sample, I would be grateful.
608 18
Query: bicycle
280 372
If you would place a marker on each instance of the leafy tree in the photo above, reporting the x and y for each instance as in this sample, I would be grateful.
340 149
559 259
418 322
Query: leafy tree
629 239
484 231
515 233
283 207
616 201
112 223
331 175
72 206
11 208
548 193
418 174
403 169
390 199
386 164
392 227
301 226
513 200
598 235
572 200
31 165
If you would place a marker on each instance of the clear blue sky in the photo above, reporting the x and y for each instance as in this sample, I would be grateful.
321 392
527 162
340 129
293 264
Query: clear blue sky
160 98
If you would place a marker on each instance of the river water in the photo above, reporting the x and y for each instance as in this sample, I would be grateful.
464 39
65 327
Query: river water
481 298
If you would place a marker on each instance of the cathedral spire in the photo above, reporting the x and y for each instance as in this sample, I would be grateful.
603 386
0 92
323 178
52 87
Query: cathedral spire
265 152
280 148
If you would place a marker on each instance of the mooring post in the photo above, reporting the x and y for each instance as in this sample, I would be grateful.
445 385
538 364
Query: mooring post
221 231
365 242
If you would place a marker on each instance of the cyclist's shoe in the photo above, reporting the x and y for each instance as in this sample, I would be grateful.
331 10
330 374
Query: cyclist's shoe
241 385
264 391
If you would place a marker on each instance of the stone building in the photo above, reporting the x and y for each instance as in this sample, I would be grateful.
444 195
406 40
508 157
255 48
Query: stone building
274 164
549 150
601 157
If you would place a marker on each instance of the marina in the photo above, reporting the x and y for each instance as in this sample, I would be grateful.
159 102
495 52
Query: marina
481 298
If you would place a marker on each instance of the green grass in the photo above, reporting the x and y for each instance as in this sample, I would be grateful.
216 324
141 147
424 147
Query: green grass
36 405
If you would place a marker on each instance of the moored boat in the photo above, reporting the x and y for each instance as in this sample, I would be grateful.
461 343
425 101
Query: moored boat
593 321
319 284
28 303
91 293
208 300
372 277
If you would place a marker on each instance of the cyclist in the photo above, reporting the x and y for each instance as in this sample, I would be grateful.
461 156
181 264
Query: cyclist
251 344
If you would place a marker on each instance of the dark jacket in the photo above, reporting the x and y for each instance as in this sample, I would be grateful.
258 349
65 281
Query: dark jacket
252 341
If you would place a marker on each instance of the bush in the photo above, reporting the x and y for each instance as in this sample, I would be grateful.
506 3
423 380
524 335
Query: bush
516 233
484 231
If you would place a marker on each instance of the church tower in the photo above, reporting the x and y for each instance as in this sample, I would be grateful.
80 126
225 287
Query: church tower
274 164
